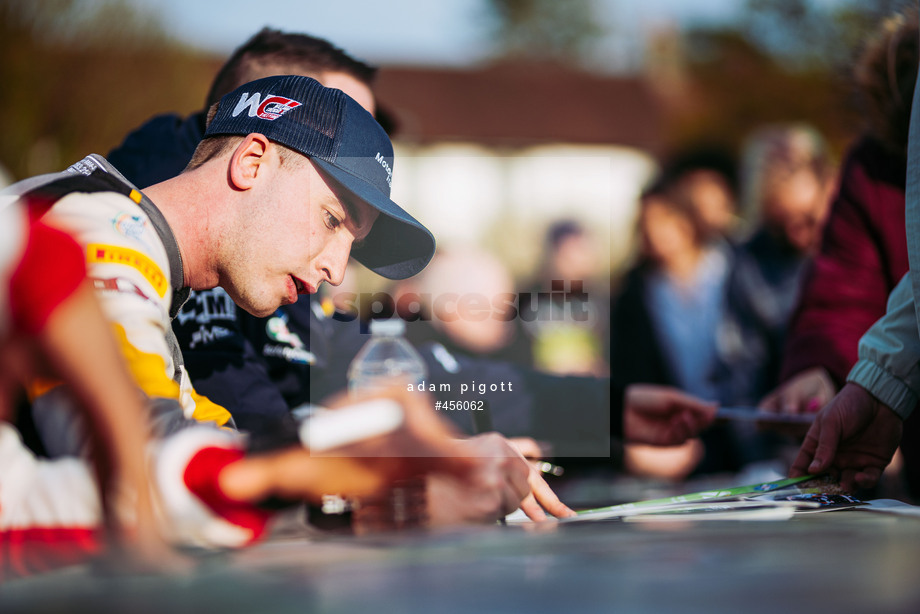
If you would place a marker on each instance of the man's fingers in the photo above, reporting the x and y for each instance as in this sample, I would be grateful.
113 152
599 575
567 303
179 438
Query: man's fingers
527 447
517 472
543 500
806 455
847 480
548 499
868 477
828 438
771 402
453 462
533 510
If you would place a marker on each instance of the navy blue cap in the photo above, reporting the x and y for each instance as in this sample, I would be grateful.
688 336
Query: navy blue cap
348 147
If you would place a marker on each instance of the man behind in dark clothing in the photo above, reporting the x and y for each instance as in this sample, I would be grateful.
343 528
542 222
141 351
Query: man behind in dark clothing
264 367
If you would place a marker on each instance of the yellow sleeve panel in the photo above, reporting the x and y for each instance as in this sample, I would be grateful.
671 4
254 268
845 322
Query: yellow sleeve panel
207 410
149 372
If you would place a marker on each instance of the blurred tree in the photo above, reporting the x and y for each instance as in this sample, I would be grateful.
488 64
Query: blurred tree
77 75
543 29
734 87
784 60
810 34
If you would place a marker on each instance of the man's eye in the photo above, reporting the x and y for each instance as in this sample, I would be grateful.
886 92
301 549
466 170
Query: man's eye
331 221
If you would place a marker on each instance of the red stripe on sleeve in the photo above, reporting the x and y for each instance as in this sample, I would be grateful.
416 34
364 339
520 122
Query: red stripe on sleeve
50 270
24 552
201 478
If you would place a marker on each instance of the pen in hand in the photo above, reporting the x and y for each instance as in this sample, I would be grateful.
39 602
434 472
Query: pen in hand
548 468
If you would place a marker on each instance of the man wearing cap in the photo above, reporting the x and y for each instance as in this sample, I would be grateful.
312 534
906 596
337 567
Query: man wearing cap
262 367
290 178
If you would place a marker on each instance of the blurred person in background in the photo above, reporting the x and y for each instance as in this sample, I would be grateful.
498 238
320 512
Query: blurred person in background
476 277
856 435
719 311
706 177
570 306
665 319
788 184
863 253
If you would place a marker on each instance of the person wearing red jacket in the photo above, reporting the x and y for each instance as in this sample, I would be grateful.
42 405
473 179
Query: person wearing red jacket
863 254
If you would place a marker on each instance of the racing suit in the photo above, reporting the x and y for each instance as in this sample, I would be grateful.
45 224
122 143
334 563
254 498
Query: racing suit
50 510
134 263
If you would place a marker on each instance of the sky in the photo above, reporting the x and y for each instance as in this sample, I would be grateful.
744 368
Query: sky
447 32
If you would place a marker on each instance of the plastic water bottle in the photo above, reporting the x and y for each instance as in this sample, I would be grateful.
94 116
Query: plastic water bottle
383 361
386 359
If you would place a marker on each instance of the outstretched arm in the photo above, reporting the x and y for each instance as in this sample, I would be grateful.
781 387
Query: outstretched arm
57 317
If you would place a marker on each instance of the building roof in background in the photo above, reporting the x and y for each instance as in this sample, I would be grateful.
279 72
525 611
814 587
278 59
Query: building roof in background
516 104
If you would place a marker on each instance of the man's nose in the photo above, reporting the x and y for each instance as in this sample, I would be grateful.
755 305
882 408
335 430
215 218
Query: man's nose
334 262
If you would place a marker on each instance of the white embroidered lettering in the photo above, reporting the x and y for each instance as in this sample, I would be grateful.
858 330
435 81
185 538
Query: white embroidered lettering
248 101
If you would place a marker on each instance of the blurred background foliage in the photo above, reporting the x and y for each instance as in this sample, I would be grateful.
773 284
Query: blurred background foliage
77 75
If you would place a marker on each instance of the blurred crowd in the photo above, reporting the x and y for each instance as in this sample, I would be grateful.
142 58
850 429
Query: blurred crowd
141 406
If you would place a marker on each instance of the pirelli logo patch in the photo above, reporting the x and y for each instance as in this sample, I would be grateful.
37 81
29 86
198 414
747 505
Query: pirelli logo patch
97 253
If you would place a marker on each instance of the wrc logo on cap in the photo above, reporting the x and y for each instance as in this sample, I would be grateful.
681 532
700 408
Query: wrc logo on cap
271 108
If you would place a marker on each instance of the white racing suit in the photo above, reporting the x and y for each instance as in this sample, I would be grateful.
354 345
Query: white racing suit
133 260
50 509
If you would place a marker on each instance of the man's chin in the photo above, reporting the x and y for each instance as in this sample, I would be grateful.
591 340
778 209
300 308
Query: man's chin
261 304
260 311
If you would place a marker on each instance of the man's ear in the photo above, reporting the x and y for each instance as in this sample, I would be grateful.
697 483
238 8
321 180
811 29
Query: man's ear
247 160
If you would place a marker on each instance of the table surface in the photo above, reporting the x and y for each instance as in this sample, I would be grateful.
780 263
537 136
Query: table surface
843 561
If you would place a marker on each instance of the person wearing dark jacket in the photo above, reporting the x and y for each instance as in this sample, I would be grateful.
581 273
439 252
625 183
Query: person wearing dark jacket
264 367
787 185
665 320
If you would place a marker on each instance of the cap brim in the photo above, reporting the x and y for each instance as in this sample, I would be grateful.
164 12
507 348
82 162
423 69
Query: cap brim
398 246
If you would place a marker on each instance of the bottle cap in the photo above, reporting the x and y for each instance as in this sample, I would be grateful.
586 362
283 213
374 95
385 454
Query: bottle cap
394 327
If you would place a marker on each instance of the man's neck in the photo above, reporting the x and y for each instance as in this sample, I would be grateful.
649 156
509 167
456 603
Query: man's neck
186 206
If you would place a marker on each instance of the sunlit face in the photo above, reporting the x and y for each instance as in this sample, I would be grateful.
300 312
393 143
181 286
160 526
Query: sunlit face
577 257
712 199
666 232
797 208
295 233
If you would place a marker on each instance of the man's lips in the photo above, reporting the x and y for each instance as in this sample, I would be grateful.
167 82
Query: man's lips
303 287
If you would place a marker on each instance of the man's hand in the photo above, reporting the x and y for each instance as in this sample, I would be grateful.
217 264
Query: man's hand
422 443
528 447
501 482
663 416
855 436
807 392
